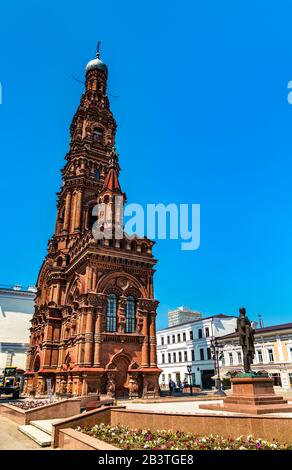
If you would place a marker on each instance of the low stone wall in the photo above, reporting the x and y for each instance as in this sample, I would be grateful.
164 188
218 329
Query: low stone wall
59 409
89 418
267 427
69 439
13 412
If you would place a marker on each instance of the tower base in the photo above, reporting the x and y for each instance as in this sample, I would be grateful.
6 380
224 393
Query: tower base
141 382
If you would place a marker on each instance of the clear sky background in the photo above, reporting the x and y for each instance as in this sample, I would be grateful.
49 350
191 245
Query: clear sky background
202 116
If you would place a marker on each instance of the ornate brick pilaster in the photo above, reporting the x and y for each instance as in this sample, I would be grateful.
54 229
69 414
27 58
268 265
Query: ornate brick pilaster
100 316
122 314
88 336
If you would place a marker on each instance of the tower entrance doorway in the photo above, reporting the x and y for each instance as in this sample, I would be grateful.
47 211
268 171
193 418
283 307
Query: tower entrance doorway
122 388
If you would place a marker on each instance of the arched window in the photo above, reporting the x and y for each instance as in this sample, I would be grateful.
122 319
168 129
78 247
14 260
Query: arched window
37 364
97 134
111 314
130 315
59 261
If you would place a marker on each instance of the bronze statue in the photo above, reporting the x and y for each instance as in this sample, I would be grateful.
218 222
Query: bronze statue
246 339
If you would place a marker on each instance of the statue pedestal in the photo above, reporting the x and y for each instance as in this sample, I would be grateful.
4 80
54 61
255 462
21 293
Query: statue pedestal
252 395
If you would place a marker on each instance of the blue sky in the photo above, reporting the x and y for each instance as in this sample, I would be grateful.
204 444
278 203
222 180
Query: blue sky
202 116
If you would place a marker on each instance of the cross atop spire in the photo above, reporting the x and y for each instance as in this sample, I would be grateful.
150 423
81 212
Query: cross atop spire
97 55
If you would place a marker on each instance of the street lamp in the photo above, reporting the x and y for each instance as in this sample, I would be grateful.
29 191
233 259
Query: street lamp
216 356
189 368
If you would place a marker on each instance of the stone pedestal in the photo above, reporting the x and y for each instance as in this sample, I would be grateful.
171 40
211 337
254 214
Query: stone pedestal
253 395
150 382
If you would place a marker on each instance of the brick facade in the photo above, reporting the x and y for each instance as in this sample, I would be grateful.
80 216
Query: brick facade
83 280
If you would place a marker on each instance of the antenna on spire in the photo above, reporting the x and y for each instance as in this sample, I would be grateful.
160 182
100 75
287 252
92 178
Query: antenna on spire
98 50
261 321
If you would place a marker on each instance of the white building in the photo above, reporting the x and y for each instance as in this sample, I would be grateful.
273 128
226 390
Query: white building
16 310
189 344
273 353
182 315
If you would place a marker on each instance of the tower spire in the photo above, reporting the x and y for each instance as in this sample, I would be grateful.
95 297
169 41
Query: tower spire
111 181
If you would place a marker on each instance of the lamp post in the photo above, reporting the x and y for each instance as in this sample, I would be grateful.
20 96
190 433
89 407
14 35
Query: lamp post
216 356
189 368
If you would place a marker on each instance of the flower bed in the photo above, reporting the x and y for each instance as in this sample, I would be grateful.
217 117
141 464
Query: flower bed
140 439
29 404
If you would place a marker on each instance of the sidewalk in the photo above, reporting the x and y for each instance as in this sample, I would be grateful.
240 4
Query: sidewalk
12 439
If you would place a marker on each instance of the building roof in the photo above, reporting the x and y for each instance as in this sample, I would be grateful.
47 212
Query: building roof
191 322
259 331
111 181
96 63
14 300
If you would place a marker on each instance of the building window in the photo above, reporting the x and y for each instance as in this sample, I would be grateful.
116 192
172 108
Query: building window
230 359
209 353
200 333
178 338
130 315
168 340
223 360
239 357
173 338
162 340
111 314
260 356
186 356
97 134
271 355
169 358
162 377
290 379
179 357
163 358
202 355
191 335
207 332
174 357
184 337
97 175
193 355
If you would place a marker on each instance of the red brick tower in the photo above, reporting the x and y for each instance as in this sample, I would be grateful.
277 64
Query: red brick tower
94 324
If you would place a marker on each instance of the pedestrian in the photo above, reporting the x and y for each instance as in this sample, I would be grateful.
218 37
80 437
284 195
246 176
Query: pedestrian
170 386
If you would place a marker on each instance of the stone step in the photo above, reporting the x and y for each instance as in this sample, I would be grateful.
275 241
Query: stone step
42 438
256 400
45 425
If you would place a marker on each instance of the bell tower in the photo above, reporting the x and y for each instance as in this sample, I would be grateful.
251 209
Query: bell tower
93 330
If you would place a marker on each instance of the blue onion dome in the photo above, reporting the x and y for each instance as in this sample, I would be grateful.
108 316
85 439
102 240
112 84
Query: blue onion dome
96 63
